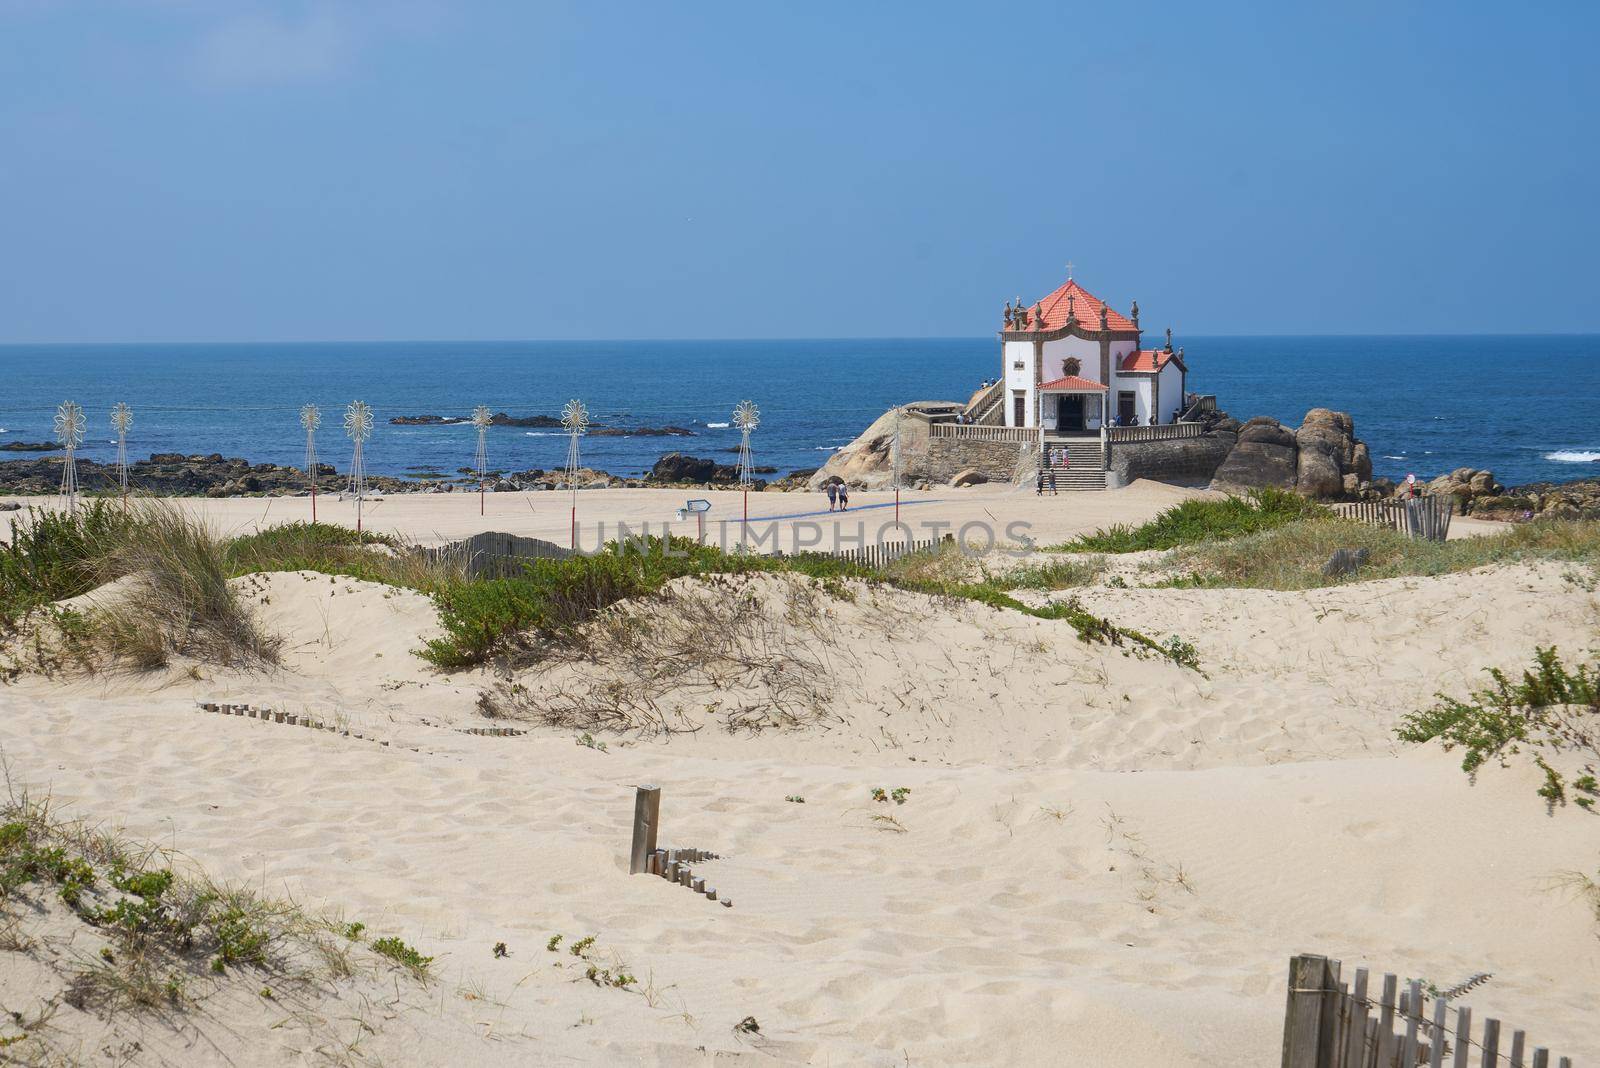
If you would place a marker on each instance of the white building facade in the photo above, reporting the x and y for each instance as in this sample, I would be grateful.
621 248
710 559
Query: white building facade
1073 365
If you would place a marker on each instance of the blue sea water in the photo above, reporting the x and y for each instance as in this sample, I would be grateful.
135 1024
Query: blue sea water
1527 408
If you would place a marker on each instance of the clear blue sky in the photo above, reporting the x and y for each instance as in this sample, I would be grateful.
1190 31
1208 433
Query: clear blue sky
212 170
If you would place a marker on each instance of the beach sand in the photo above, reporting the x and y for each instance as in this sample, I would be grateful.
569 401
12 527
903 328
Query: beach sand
1103 859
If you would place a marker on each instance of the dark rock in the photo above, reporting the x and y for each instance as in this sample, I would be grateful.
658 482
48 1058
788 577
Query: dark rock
1344 562
679 467
29 446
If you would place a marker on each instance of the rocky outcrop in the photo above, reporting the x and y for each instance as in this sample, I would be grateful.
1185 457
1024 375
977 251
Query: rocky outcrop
868 461
29 446
1322 458
676 468
547 422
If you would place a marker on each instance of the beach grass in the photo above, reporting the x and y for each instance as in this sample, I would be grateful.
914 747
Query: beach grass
1201 521
1292 556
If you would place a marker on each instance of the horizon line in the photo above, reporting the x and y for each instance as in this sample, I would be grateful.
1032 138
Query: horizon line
746 340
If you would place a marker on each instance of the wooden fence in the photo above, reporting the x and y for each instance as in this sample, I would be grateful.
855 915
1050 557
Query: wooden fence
1160 432
495 555
1421 517
1330 1023
882 553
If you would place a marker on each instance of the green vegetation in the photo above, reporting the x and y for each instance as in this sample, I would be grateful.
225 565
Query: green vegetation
1550 708
181 602
168 939
404 955
1291 557
1199 521
51 555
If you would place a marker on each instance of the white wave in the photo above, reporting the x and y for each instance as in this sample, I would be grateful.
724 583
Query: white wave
829 448
1394 457
1573 456
717 426
539 434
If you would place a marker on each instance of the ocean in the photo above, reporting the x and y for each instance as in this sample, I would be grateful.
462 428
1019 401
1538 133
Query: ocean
1527 408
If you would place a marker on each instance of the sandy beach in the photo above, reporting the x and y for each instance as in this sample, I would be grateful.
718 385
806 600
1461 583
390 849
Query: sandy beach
1101 859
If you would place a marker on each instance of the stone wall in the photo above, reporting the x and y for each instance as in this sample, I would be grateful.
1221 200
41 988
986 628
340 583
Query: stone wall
997 461
1184 461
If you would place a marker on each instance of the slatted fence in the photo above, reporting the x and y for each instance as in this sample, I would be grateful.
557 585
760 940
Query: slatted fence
1330 1023
880 554
1421 517
493 554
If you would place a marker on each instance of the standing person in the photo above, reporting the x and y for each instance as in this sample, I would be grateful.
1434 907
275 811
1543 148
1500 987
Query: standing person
833 495
1039 489
1052 477
844 496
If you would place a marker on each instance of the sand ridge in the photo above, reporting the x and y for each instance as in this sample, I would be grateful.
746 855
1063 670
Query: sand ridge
1102 858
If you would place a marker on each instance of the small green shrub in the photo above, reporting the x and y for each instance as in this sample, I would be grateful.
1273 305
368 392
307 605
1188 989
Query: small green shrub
1550 707
1196 521
402 954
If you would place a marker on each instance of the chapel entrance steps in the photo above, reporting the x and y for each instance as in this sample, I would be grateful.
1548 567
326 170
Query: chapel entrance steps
1079 465
985 408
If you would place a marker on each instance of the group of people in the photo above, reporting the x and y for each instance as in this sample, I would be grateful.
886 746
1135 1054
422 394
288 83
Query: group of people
1047 472
838 497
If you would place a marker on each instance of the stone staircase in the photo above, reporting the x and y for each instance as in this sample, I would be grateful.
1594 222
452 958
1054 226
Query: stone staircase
1079 465
985 408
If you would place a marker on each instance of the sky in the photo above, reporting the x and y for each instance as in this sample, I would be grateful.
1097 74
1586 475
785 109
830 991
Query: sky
210 170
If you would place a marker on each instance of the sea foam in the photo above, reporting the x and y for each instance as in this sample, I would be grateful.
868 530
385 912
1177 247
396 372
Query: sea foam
1573 456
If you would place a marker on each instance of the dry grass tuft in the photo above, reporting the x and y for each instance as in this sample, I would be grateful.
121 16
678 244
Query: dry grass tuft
176 599
752 654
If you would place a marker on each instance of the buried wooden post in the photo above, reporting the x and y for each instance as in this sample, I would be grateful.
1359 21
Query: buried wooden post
1310 1020
646 817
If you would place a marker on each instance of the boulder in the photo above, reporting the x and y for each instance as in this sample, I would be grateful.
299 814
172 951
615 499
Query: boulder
1256 463
1344 562
679 467
1318 474
1262 430
868 461
971 476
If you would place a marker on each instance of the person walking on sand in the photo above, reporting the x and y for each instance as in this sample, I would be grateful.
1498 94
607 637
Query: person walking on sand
844 496
833 495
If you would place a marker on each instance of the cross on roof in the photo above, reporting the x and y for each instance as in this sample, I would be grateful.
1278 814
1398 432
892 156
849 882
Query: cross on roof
1070 265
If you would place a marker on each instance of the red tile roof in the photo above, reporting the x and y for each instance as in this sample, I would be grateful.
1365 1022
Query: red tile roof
1085 307
1072 382
1145 360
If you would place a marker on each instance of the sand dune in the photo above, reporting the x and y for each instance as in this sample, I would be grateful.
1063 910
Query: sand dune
1103 859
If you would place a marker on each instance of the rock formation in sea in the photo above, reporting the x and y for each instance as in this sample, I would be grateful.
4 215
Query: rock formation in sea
547 422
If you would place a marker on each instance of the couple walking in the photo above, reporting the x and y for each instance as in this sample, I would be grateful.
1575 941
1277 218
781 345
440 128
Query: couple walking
838 496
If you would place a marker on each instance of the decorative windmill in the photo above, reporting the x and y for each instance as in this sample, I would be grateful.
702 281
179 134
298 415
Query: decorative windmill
575 418
482 420
121 420
746 416
895 458
358 426
310 419
70 425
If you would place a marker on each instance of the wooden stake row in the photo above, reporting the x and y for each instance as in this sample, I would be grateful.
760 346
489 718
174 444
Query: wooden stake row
493 732
669 864
673 866
269 715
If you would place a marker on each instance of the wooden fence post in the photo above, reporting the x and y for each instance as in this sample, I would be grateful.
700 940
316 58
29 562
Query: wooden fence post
1310 1031
646 817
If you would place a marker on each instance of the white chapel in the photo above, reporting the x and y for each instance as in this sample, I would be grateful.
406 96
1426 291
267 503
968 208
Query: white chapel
1071 364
